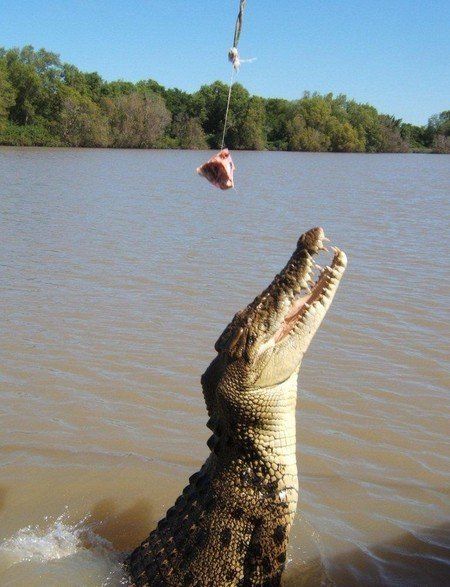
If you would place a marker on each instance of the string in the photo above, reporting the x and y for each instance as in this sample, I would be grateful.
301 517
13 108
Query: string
233 57
233 73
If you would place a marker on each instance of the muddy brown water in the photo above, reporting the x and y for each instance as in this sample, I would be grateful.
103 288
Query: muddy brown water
118 271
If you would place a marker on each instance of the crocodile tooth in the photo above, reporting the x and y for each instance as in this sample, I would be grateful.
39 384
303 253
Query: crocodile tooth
340 261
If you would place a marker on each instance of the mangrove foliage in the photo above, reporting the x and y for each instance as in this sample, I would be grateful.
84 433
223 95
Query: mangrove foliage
44 101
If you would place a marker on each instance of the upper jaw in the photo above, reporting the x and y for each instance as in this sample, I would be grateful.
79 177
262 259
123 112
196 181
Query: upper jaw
308 309
285 304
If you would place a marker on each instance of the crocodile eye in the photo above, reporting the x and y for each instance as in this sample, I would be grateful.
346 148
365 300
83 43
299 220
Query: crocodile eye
251 339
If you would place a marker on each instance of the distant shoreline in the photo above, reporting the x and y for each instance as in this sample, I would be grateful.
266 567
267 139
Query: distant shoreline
47 103
212 150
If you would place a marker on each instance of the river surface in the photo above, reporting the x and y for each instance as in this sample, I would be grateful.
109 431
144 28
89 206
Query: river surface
118 271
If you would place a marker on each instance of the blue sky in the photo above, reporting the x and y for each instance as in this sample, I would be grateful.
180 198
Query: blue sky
393 54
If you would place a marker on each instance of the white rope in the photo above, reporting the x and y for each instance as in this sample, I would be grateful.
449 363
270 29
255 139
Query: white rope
233 73
235 60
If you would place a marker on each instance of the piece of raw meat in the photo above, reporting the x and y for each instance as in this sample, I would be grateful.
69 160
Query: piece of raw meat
219 170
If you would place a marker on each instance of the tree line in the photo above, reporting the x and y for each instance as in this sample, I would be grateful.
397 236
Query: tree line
46 102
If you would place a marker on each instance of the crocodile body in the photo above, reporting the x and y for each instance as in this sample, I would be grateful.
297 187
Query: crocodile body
230 527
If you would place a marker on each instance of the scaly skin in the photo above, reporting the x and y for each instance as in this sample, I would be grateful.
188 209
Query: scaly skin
230 527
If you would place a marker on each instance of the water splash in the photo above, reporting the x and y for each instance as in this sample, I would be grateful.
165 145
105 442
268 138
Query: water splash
60 552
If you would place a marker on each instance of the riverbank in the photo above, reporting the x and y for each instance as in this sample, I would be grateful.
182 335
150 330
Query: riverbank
45 102
35 136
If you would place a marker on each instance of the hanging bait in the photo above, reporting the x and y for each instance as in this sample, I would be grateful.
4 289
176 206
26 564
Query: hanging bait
220 168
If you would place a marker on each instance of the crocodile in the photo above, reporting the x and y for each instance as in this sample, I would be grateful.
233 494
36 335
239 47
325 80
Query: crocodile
230 526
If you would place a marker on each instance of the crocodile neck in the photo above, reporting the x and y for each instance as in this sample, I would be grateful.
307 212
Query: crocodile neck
230 526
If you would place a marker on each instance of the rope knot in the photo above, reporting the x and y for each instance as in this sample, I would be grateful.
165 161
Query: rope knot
233 57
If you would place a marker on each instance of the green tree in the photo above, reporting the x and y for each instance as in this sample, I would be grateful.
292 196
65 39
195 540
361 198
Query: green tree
211 102
343 137
364 119
29 89
7 94
239 104
36 77
315 111
338 105
441 144
415 136
253 129
391 140
294 132
96 85
180 103
440 123
278 116
119 88
86 84
438 132
150 87
188 132
305 138
81 122
137 120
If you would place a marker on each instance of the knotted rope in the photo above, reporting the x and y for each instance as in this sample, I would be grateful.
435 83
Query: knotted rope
235 60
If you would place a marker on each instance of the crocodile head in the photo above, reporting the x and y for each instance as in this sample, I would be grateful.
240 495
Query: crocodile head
264 344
